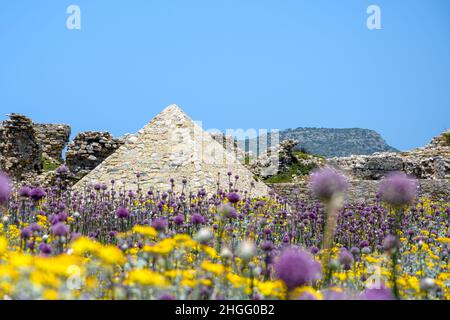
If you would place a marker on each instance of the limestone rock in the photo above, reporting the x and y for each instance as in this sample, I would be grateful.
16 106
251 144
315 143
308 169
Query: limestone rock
88 150
429 162
52 138
20 152
173 146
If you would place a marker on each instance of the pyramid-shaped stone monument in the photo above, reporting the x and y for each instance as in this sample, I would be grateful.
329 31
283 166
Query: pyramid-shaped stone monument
174 146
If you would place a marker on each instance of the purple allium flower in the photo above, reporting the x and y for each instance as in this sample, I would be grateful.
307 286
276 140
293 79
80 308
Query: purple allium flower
364 243
233 197
314 250
59 229
167 297
326 182
62 169
112 233
5 188
197 219
345 257
37 194
297 268
45 248
398 189
26 233
382 293
227 211
122 213
179 220
25 192
391 243
36 227
97 186
267 246
159 224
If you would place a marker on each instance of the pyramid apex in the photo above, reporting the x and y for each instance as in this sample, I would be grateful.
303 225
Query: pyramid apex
173 107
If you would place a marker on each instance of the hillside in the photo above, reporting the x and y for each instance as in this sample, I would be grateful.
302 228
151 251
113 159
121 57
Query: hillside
337 142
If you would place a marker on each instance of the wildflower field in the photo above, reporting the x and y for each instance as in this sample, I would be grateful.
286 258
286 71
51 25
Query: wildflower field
107 242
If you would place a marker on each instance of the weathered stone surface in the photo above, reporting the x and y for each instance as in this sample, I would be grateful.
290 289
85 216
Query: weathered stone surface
429 162
230 144
88 150
366 190
274 159
52 138
20 152
173 146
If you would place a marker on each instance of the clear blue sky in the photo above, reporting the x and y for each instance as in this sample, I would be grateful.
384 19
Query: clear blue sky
232 64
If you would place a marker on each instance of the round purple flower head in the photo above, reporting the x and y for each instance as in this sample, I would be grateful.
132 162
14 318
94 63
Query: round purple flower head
233 197
62 169
391 243
26 233
159 224
326 182
59 229
296 268
25 192
227 211
398 189
45 248
197 219
345 257
37 194
5 188
122 213
179 220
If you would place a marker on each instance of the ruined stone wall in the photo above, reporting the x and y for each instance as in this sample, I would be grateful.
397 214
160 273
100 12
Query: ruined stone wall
366 190
53 138
88 150
19 149
429 162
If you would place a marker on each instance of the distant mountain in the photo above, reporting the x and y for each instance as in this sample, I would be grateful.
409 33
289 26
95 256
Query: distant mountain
337 142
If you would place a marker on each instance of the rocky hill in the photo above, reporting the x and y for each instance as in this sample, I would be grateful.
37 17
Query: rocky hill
337 142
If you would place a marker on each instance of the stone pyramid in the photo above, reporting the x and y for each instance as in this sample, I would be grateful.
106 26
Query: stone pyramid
173 146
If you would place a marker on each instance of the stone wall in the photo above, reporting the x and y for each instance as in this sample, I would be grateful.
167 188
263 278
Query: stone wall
53 138
366 190
20 152
429 162
88 150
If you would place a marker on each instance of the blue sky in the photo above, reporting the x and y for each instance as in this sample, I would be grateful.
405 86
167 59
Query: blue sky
231 64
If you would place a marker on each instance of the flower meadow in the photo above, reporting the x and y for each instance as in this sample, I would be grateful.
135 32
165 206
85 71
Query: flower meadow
107 242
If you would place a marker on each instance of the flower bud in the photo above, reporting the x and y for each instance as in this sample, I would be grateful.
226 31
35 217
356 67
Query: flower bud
246 251
204 235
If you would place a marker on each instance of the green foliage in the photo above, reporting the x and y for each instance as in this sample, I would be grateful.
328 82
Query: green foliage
297 169
303 155
447 138
48 164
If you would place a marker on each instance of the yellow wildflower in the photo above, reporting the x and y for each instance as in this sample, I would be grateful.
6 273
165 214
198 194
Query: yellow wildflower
146 277
146 231
215 268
